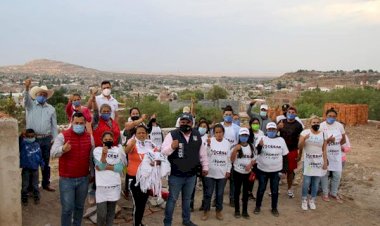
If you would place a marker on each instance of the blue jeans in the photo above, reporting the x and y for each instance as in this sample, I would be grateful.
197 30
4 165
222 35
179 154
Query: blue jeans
185 185
335 182
210 183
314 182
73 192
45 145
263 178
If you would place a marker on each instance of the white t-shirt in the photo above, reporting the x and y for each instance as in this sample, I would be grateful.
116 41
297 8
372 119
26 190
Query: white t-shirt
219 154
156 136
313 154
100 100
108 177
241 163
231 134
334 152
270 158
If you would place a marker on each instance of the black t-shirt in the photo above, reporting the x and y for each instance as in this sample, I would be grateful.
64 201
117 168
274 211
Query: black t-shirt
291 133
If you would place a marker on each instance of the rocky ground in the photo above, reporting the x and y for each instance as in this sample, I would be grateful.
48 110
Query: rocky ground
359 188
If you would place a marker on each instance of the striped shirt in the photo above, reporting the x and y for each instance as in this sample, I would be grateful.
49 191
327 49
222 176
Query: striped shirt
41 118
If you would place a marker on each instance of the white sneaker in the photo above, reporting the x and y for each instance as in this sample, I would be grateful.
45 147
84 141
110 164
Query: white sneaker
312 204
290 194
304 204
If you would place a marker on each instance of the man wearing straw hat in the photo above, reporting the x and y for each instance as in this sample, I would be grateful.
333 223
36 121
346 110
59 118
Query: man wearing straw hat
42 118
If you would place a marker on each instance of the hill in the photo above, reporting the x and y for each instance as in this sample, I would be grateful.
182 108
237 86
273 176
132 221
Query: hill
50 67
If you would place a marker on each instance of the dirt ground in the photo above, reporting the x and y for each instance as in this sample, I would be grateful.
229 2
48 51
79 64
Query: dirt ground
359 188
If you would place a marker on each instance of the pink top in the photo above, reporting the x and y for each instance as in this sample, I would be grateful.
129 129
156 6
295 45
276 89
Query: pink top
85 111
167 150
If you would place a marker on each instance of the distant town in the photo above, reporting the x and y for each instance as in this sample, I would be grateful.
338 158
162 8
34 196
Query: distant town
167 88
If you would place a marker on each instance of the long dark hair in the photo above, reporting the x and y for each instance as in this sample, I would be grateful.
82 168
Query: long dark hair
240 151
251 137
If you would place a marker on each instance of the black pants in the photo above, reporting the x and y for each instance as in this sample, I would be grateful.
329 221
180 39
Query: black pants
139 201
29 176
105 212
239 181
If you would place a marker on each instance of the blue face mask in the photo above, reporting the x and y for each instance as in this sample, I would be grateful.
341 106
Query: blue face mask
263 113
227 118
76 103
29 140
202 130
330 120
236 122
78 129
105 116
41 99
272 134
290 116
243 139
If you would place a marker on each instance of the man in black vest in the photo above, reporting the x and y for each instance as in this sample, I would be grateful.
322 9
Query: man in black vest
184 149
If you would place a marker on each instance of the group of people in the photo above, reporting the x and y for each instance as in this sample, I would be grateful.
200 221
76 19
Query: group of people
94 154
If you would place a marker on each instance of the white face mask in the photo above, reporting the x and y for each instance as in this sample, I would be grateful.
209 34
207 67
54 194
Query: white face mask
106 92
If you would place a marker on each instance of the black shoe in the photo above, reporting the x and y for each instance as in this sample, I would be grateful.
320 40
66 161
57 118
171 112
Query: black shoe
24 202
237 214
232 203
189 224
257 210
275 212
245 215
36 201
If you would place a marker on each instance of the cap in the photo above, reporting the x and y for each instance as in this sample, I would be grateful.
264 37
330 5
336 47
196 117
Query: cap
285 107
186 109
186 116
264 106
243 131
271 125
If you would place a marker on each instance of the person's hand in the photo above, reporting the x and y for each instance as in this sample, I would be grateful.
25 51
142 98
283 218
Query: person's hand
27 83
132 142
307 136
248 167
324 167
238 147
331 139
204 173
144 116
209 140
66 147
175 144
105 150
261 143
228 174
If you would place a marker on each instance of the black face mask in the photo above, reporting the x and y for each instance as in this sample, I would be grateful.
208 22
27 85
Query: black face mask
315 127
184 128
134 118
108 144
153 120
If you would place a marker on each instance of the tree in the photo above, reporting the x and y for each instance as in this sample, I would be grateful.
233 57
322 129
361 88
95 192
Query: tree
216 93
189 94
58 97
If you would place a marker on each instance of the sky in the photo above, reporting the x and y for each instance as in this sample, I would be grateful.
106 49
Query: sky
193 36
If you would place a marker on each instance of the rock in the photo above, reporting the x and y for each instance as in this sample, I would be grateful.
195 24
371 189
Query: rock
93 219
89 212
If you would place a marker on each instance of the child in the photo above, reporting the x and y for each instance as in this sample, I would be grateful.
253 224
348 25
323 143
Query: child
242 157
219 171
109 165
30 160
